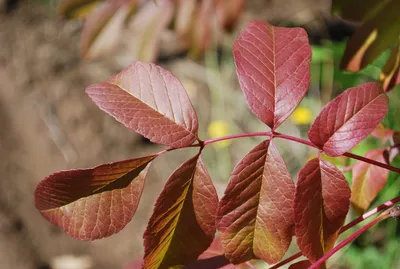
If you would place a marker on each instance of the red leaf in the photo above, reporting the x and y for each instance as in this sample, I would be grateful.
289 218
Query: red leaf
382 133
255 216
349 118
183 221
93 203
213 257
368 181
320 207
151 101
301 265
273 66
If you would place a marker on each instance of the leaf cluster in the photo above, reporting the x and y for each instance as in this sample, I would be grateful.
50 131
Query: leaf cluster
263 207
196 23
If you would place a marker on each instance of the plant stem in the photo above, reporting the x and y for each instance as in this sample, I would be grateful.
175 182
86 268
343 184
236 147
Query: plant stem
301 141
347 154
348 240
356 221
236 136
383 165
295 139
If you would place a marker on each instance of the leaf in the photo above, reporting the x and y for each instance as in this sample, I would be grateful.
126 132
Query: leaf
102 29
228 11
391 121
357 10
73 9
301 265
202 30
349 118
320 207
368 181
376 35
273 67
382 133
151 101
255 216
213 257
147 26
184 18
390 75
93 203
183 222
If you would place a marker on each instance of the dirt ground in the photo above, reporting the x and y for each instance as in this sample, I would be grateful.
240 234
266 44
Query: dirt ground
47 123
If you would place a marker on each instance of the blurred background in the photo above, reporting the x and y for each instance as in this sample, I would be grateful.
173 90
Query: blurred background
51 50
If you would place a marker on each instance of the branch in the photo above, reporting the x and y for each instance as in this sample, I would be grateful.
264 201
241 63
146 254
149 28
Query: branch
370 213
347 154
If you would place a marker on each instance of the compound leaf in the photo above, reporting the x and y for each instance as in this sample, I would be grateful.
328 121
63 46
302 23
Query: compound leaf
93 203
273 67
151 101
349 118
368 180
183 222
321 203
255 216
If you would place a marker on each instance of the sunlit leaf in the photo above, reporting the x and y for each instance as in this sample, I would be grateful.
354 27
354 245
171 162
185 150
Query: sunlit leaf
103 29
376 35
255 216
151 101
183 222
321 203
73 9
390 75
349 118
93 203
368 181
273 67
147 26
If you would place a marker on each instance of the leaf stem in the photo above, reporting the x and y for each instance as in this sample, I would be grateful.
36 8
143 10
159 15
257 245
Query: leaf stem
346 241
301 141
236 136
347 154
356 221
383 165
